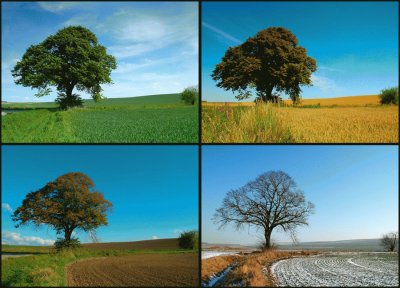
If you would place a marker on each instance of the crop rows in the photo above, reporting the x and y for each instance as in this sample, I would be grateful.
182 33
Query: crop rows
139 125
356 269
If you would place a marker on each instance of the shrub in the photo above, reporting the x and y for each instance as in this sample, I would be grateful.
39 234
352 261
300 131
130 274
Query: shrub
68 102
61 244
190 95
189 240
390 96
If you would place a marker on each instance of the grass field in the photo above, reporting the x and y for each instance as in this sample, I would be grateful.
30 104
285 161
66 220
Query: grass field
146 119
352 120
47 268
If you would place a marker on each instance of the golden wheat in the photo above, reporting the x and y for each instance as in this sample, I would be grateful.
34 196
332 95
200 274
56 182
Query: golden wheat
365 100
266 123
342 124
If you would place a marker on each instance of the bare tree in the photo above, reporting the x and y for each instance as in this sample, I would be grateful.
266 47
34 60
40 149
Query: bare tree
270 201
92 235
389 241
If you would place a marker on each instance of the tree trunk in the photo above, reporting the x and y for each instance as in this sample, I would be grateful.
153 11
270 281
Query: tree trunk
266 94
68 91
67 234
267 235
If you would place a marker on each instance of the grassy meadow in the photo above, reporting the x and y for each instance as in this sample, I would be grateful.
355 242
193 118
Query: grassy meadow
358 119
45 267
146 119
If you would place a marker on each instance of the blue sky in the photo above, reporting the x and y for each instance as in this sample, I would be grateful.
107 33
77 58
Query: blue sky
155 43
354 188
355 44
154 189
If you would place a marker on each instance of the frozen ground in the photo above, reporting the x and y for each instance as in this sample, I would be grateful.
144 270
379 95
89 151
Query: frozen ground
209 254
339 269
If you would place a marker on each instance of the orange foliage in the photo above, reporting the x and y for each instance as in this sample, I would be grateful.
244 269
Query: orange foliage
65 204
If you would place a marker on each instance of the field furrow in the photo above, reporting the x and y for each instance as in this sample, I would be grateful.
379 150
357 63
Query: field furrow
355 269
158 270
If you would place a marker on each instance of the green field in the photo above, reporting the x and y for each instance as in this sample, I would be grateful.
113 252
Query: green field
47 268
145 119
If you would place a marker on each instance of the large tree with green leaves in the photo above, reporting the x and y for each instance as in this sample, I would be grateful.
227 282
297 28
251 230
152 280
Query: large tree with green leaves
68 203
270 60
72 58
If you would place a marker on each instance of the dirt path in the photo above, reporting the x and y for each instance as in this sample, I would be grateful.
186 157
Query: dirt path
158 270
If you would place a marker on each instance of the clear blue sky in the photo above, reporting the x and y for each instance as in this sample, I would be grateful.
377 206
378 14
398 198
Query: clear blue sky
154 189
355 44
354 188
155 43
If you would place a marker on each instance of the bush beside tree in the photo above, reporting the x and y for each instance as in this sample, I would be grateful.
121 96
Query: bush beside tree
189 240
390 96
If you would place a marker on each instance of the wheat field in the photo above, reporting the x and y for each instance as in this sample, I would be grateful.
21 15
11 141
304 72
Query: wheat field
268 123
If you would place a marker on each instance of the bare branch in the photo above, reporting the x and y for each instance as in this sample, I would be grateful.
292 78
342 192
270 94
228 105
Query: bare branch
271 200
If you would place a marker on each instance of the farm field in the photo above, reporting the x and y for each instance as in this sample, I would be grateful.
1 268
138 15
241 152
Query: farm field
301 269
154 270
47 268
339 269
147 119
366 100
268 123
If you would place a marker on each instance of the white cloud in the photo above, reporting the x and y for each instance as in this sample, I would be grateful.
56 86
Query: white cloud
221 33
14 238
57 7
329 69
7 207
323 83
154 237
137 31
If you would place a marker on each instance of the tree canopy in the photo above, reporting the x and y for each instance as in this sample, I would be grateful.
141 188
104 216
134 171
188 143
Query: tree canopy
389 241
270 201
389 96
190 95
270 60
68 203
70 58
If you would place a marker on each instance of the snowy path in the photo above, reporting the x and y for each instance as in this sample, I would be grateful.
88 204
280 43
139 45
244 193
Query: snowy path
355 269
209 254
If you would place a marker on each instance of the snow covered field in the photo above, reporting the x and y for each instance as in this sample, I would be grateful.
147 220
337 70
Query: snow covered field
338 269
209 254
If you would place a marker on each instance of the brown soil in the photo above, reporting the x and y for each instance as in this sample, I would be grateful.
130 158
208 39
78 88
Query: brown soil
159 270
137 245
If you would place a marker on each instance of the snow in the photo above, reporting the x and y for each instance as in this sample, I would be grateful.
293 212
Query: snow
209 254
216 278
338 269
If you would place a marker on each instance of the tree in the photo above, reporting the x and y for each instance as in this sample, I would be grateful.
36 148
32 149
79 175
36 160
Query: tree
269 60
389 241
390 96
190 95
92 235
189 240
68 203
268 202
70 58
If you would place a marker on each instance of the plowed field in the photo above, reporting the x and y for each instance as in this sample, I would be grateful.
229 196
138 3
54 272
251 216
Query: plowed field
348 269
158 270
171 243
